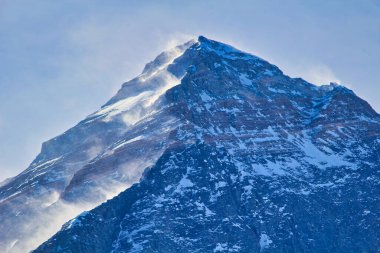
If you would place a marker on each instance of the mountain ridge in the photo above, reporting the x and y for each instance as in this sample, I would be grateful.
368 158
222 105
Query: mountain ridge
202 94
251 141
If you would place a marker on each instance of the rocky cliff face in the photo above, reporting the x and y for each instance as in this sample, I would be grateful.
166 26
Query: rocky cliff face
238 157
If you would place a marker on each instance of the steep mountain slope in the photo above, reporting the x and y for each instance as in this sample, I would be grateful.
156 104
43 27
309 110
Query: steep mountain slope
93 161
253 161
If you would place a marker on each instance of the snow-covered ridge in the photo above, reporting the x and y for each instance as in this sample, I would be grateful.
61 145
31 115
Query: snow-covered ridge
136 98
261 124
224 50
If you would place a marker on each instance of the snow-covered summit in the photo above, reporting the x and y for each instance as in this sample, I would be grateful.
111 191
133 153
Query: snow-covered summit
253 153
235 155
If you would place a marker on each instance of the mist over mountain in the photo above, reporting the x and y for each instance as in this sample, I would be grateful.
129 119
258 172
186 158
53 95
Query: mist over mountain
209 149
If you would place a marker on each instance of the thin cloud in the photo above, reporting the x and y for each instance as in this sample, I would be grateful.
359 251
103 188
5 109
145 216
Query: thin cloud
320 74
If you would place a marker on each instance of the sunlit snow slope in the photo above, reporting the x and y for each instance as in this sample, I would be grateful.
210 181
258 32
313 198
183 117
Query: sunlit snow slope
93 161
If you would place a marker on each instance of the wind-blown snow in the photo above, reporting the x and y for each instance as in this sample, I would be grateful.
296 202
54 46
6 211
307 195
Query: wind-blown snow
153 83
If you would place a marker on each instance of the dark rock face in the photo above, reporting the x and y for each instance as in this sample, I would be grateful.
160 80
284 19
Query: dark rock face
172 210
253 161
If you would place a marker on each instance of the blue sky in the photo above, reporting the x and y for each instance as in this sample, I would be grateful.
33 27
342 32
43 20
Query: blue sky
61 60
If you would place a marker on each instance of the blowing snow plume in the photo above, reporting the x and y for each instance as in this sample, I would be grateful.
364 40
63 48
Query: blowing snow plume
95 160
236 157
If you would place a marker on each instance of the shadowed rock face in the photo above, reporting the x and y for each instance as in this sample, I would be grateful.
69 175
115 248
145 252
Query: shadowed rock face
203 204
237 157
253 161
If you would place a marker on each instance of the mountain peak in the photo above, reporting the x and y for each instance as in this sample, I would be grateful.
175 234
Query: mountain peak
202 38
223 50
222 137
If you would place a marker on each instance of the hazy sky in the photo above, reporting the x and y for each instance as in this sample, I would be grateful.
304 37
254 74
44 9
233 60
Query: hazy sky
61 60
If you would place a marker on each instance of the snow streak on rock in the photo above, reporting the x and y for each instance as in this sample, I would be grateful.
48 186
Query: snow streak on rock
212 150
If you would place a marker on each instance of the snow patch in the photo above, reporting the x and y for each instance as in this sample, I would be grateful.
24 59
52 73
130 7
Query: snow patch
221 247
127 142
245 80
265 241
205 97
315 156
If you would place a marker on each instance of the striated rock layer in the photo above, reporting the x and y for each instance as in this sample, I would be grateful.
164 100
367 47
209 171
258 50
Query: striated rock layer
237 157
